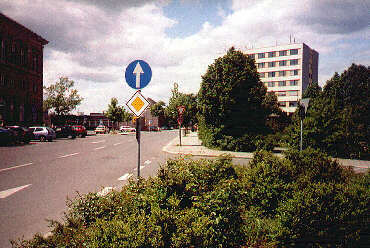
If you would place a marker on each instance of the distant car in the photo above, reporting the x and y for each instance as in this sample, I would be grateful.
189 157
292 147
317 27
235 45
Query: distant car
154 128
43 133
101 129
65 132
22 134
80 130
127 129
7 136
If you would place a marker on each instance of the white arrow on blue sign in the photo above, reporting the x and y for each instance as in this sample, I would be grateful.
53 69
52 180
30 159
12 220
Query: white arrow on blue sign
138 74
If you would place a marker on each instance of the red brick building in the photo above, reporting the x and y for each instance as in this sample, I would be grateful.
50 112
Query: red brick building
21 74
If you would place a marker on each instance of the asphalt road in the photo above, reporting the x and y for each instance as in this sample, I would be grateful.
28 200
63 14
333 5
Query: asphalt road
36 179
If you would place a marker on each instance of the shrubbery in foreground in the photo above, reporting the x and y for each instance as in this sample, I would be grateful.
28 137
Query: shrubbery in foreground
303 200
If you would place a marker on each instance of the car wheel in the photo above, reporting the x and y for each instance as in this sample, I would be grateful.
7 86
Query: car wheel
50 140
26 141
42 138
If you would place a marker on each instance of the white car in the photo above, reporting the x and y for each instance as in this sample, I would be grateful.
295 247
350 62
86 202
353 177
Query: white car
127 129
101 129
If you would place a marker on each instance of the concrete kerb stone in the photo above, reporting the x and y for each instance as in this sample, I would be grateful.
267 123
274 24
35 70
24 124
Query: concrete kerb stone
192 146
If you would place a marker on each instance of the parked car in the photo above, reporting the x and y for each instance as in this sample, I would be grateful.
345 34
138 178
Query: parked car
153 128
80 130
101 129
43 133
22 134
65 132
127 129
7 136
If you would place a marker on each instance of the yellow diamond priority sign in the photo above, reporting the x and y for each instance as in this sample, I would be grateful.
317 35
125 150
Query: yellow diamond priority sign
138 103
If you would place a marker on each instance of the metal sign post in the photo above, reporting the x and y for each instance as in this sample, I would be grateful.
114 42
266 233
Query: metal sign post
138 146
180 110
138 75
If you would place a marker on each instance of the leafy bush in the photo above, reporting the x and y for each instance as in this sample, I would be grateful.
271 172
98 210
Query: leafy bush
303 200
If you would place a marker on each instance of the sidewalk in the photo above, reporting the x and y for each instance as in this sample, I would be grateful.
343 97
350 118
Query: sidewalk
191 145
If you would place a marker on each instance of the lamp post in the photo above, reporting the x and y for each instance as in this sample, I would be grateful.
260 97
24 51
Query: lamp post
303 105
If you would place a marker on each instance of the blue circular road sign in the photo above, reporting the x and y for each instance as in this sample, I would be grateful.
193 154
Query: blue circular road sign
138 74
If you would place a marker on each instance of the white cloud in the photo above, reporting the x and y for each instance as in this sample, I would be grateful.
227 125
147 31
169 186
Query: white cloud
93 44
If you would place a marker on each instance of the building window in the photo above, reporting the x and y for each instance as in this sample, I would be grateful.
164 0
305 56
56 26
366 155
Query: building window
282 104
293 72
11 83
271 54
251 56
271 74
35 87
282 83
282 63
293 104
261 55
293 51
2 80
283 53
271 64
293 82
261 65
281 93
262 74
271 84
293 93
282 73
294 62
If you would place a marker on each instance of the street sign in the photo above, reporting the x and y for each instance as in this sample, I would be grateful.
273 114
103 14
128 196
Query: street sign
181 109
138 103
138 74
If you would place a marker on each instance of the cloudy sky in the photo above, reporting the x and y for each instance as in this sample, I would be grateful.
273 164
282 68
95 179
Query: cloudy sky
93 41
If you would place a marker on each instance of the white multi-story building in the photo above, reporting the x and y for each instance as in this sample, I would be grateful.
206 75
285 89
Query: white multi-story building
286 70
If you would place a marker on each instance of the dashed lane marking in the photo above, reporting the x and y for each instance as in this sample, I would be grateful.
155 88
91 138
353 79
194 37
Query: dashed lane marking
98 148
147 162
15 167
125 177
117 144
105 191
68 155
8 192
96 142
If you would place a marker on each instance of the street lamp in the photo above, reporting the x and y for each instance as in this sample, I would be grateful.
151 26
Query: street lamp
303 105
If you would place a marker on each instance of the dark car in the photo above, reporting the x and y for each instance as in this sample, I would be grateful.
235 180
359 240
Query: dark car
22 134
7 136
80 130
65 132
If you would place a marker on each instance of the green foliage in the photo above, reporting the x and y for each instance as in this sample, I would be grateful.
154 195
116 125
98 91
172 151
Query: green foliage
157 109
117 113
181 99
338 118
302 200
61 97
232 102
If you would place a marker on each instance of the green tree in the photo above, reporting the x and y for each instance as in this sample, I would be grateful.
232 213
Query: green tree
181 99
231 100
158 109
338 119
114 112
312 91
61 97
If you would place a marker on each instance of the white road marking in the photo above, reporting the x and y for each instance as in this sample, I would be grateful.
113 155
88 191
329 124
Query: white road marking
141 167
117 144
148 162
105 191
68 155
15 167
96 142
8 192
98 148
125 177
